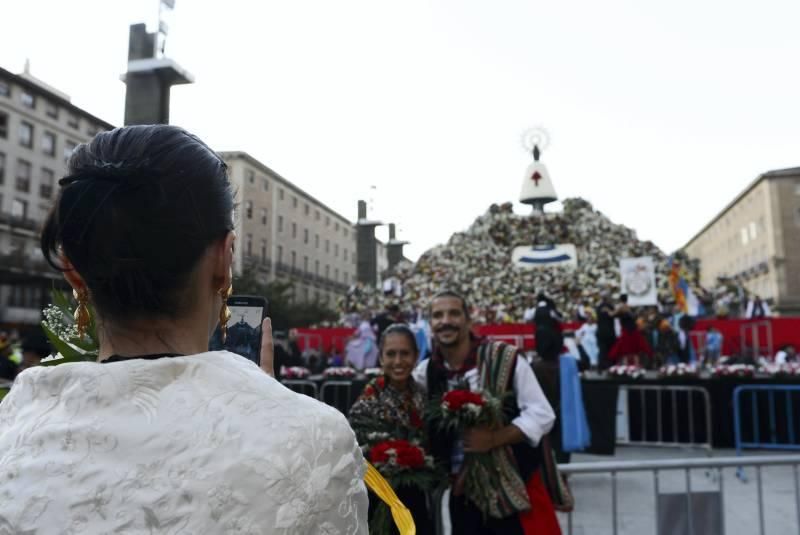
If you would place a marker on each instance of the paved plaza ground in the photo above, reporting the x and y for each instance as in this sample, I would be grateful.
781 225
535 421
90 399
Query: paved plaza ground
636 496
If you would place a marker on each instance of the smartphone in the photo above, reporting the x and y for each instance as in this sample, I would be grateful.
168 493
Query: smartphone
244 327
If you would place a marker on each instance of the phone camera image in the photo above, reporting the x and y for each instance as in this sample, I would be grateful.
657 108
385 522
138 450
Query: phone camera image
244 333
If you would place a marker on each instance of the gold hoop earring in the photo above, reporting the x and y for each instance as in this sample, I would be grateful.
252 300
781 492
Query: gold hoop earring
82 316
224 311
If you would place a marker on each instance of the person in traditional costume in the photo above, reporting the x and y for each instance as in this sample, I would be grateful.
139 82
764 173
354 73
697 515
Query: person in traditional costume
459 360
161 435
606 333
547 319
631 345
361 351
391 406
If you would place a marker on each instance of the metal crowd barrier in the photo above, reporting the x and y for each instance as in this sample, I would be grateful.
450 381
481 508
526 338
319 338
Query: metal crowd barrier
787 439
675 416
693 508
337 394
302 386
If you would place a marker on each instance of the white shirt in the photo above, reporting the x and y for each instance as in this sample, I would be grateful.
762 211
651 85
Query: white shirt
199 444
536 416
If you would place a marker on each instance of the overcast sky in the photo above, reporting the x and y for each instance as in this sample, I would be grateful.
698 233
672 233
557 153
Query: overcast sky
659 112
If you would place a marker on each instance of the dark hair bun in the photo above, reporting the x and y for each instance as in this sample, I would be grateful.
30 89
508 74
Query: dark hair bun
138 209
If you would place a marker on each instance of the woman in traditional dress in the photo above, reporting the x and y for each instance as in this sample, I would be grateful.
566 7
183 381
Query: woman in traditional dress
361 351
631 345
391 407
161 435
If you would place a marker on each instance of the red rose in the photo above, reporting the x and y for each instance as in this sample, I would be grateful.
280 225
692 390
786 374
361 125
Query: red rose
380 381
410 456
456 399
369 391
378 452
403 452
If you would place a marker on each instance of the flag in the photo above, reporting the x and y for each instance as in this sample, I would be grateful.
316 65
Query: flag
684 296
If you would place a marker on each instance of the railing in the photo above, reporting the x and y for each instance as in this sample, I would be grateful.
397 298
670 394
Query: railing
684 424
302 386
337 394
785 438
694 503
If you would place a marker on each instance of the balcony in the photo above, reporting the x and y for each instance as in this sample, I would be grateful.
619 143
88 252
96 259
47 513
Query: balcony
18 222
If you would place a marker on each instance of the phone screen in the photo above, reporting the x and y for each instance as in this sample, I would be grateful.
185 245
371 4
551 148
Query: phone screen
244 332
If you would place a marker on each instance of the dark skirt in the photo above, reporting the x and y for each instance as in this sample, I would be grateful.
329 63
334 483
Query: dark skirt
632 342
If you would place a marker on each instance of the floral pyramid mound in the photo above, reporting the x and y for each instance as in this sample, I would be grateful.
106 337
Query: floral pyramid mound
478 263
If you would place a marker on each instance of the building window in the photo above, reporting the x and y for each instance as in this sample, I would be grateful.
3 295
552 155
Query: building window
327 271
51 109
336 250
49 143
27 99
346 232
307 209
336 274
251 176
263 216
345 255
3 125
69 146
46 186
316 268
73 121
19 209
753 231
5 89
316 241
2 169
280 223
265 184
248 245
336 227
305 235
294 259
797 217
263 251
744 236
92 130
346 278
294 230
305 264
26 134
23 176
294 202
316 215
248 209
280 194
280 254
327 246
327 221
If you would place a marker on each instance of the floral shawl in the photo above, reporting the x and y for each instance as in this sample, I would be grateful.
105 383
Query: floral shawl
382 412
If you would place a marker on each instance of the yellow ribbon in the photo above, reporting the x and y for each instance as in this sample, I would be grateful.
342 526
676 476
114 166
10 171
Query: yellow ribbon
400 513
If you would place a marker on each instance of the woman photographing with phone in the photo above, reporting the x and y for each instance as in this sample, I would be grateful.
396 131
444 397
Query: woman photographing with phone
162 435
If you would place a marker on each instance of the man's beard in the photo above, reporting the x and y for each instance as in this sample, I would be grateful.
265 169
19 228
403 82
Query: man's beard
448 344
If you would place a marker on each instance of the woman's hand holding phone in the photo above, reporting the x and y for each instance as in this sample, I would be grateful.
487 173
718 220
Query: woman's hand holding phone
267 348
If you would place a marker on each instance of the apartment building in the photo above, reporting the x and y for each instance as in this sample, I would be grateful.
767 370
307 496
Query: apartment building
39 128
754 241
284 233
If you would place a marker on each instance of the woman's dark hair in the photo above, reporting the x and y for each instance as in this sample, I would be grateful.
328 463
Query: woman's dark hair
401 329
140 206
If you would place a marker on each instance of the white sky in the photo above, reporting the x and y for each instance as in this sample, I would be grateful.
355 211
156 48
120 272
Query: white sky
659 112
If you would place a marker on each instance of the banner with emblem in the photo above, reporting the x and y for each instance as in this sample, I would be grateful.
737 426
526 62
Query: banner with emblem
639 280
